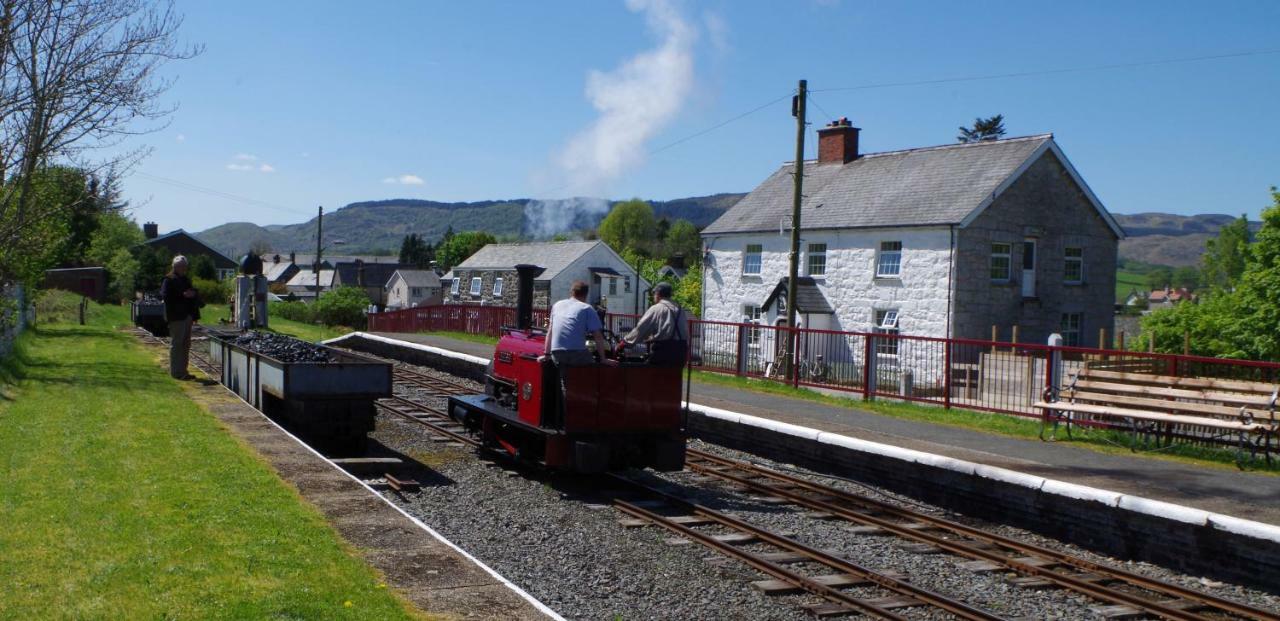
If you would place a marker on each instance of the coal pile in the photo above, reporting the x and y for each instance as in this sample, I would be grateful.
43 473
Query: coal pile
283 348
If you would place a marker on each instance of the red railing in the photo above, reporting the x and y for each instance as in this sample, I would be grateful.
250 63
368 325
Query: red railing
972 374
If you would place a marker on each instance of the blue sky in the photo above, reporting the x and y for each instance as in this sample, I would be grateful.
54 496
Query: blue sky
295 105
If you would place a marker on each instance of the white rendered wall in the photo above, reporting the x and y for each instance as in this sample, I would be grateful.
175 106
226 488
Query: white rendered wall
599 256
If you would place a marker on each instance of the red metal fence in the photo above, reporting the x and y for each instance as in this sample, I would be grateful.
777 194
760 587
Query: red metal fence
973 374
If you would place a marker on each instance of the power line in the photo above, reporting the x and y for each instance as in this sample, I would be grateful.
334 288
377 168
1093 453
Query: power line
720 124
220 194
1023 74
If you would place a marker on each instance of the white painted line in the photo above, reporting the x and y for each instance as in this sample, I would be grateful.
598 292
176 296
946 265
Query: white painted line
1127 502
541 607
439 351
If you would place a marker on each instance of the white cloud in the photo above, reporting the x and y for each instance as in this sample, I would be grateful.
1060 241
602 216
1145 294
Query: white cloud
305 154
266 168
245 157
405 180
239 167
181 138
717 31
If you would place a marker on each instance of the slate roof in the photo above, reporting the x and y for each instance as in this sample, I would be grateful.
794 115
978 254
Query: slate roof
275 271
929 186
809 298
554 256
375 274
220 260
307 278
418 278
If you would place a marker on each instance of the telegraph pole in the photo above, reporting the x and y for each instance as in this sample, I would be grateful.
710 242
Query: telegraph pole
319 229
798 110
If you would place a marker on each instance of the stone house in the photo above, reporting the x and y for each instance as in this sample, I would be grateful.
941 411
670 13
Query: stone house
488 277
409 288
180 242
943 241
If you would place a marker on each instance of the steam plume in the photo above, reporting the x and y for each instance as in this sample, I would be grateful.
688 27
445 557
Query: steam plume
635 100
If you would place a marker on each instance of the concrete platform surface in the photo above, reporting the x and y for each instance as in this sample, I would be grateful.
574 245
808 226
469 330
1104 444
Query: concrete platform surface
1224 489
429 571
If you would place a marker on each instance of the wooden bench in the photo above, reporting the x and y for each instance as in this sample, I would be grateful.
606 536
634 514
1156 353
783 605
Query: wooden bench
1163 405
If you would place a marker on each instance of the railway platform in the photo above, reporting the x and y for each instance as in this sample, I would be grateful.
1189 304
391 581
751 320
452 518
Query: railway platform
1227 490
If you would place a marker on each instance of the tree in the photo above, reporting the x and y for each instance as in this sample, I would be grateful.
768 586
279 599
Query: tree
460 246
1225 256
343 306
122 274
416 252
1257 299
630 225
683 239
983 129
202 267
1159 278
74 77
116 231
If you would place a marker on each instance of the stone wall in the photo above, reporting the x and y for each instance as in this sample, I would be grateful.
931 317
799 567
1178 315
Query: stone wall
850 284
1044 204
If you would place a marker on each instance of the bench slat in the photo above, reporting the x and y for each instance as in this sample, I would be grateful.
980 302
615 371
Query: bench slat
1163 405
1103 410
1084 383
1261 388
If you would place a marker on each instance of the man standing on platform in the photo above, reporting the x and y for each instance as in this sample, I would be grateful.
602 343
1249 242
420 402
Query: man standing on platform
181 309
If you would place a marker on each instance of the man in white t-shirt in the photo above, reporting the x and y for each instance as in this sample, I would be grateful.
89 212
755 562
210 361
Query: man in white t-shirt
572 319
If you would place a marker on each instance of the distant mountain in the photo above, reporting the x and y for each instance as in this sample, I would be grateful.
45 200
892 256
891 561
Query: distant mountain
377 227
1168 239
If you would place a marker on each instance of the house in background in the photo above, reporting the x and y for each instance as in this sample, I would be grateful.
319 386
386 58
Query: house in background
180 242
1169 297
942 241
409 288
306 284
488 277
370 276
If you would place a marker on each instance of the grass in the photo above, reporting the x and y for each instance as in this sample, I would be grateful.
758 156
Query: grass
1100 440
1128 281
123 499
211 315
465 336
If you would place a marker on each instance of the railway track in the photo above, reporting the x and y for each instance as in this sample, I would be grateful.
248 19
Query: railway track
1123 594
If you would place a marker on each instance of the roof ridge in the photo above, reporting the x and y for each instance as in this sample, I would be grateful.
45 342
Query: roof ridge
941 147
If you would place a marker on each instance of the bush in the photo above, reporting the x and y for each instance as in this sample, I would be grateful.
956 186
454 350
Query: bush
342 307
293 311
212 292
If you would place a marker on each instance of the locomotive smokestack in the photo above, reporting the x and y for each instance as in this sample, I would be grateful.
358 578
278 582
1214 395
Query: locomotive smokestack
524 294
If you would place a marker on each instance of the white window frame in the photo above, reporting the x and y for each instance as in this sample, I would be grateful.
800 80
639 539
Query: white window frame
497 287
817 251
613 286
752 314
888 249
457 284
1071 334
885 321
747 253
475 286
1007 255
1068 261
626 284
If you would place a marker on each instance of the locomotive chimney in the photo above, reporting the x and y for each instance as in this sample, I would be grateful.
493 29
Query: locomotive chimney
524 294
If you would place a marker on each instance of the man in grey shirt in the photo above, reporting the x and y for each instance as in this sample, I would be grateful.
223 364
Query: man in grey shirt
572 319
664 327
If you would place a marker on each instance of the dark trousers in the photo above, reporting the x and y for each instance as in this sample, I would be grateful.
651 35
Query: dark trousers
179 347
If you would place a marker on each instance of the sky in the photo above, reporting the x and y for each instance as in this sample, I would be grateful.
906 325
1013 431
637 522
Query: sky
295 105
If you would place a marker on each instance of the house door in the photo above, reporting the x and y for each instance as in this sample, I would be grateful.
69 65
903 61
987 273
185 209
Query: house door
1029 268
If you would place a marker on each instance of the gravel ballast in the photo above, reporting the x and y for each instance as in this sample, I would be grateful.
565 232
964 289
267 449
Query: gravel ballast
560 541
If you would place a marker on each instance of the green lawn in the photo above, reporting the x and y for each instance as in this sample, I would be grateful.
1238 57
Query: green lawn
211 315
1019 427
1127 281
123 499
465 336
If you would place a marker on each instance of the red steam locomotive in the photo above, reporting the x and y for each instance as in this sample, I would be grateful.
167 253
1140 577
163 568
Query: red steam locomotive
615 414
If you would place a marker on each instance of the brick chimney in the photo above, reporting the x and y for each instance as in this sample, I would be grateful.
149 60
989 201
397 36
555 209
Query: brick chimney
838 142
293 257
150 230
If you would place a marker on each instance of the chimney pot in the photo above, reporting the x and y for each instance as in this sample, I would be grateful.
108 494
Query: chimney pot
150 230
838 142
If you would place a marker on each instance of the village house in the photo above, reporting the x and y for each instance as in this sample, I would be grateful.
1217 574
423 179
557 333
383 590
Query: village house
180 242
943 241
1168 297
409 288
372 276
488 277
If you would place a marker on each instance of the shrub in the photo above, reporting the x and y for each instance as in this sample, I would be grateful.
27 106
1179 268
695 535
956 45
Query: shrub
212 292
342 307
293 311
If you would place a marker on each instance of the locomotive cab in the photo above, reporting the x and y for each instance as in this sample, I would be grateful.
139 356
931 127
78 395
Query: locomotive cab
614 414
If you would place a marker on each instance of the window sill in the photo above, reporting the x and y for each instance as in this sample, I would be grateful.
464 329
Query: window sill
879 278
